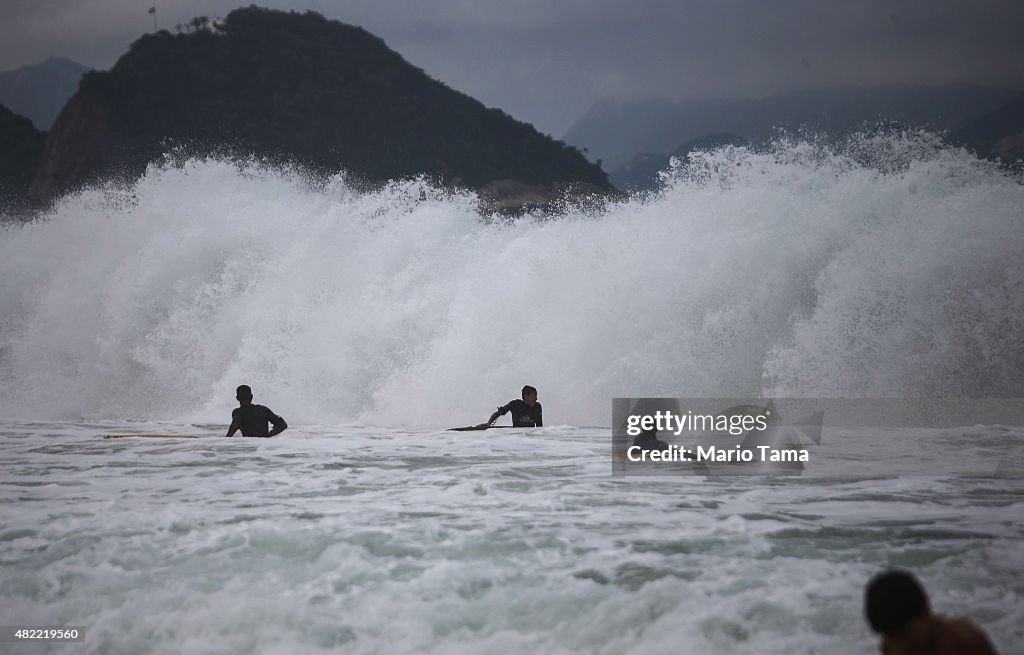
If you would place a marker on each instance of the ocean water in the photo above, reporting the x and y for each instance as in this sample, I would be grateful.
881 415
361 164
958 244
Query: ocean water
372 320
367 540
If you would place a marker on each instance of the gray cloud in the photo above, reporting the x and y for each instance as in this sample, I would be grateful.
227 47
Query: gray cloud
547 62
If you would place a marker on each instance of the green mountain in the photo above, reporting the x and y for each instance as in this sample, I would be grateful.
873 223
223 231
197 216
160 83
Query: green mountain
295 87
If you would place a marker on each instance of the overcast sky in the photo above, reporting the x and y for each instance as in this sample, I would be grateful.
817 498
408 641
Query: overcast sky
548 61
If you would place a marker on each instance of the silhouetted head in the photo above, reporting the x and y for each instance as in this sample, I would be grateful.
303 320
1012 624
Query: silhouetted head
894 599
244 394
529 395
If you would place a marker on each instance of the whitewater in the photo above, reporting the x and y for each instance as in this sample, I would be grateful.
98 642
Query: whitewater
373 319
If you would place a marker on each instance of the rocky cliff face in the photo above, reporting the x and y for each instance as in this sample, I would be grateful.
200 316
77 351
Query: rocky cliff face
296 87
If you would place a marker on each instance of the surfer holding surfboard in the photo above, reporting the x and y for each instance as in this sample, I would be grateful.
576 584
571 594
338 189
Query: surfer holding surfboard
526 413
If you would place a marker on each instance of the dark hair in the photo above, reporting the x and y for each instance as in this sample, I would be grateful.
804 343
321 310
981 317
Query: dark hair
528 389
243 390
892 599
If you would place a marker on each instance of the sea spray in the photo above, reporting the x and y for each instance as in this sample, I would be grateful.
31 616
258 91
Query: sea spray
889 265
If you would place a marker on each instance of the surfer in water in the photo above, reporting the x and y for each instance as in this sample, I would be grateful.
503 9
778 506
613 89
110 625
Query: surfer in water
253 420
897 608
526 413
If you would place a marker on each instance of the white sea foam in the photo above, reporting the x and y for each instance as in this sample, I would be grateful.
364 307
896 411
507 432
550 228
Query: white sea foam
344 540
889 267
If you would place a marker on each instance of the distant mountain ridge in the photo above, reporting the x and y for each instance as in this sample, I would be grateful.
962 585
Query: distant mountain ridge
40 91
999 135
616 132
19 157
300 88
641 172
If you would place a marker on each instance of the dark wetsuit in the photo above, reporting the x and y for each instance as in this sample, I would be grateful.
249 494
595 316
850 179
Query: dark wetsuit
253 420
523 416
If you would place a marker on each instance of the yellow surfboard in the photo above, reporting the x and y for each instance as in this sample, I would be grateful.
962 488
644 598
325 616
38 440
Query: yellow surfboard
151 436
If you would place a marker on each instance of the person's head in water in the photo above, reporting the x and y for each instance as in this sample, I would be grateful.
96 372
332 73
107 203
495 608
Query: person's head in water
895 604
244 394
529 395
